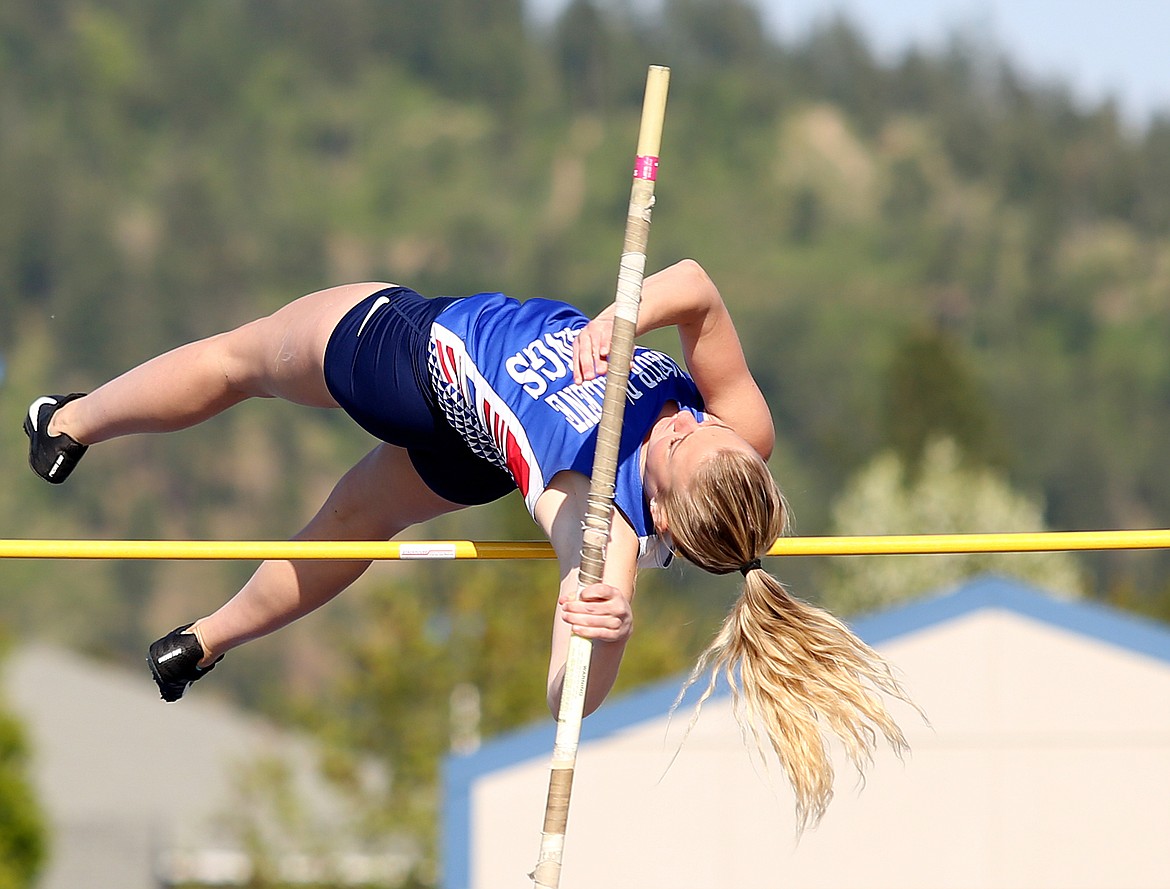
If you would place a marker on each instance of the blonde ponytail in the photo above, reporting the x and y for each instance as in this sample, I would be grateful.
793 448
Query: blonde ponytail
796 672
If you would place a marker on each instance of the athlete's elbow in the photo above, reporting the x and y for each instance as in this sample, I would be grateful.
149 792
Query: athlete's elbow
697 280
589 705
553 699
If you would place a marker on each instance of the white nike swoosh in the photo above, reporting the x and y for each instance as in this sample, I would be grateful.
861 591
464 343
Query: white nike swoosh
378 303
34 410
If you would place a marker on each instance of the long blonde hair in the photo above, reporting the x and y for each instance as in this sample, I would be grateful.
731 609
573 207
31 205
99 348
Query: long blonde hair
795 671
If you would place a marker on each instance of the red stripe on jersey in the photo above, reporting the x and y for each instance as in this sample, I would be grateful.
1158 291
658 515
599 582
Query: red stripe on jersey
447 362
513 456
488 421
517 465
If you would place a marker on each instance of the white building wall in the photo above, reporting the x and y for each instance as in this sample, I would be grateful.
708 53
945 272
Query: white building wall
1046 764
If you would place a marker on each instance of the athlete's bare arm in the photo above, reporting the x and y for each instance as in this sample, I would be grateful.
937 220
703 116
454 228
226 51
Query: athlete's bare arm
604 611
684 296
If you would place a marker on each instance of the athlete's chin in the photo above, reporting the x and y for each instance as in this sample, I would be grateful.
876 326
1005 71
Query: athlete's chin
664 426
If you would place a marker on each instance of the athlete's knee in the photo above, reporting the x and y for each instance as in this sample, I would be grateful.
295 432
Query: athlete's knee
383 495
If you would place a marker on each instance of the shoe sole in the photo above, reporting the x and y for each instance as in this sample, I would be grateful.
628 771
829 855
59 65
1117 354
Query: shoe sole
164 685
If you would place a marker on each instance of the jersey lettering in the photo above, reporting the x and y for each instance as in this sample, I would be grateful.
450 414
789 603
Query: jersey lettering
520 371
547 358
580 404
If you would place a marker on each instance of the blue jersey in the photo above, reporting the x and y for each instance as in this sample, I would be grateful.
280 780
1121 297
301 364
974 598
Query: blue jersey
502 373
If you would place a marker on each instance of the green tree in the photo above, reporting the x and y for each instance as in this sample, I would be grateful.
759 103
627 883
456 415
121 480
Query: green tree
584 46
931 392
945 496
23 835
1153 203
836 64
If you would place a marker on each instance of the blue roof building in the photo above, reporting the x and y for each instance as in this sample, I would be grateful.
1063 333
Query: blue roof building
1046 763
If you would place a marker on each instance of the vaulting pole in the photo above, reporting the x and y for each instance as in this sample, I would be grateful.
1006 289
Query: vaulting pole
599 509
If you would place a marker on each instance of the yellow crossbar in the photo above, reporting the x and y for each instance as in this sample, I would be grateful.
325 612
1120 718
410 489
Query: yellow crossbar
259 550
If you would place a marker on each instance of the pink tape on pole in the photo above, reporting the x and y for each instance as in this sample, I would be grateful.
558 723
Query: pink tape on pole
646 167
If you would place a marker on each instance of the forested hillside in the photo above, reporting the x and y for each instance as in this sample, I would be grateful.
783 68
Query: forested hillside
168 170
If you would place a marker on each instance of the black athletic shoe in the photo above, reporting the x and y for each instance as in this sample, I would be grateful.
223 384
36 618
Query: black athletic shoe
52 457
174 662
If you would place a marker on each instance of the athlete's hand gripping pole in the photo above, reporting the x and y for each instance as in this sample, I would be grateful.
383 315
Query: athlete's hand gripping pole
599 509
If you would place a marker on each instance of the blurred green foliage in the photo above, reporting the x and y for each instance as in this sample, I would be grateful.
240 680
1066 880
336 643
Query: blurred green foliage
942 492
24 840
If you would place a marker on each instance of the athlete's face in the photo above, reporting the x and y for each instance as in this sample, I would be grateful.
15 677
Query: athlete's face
678 444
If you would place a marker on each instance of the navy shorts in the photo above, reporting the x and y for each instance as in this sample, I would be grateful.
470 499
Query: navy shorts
376 369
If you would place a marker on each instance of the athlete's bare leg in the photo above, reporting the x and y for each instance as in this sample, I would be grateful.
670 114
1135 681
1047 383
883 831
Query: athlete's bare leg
280 356
381 496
